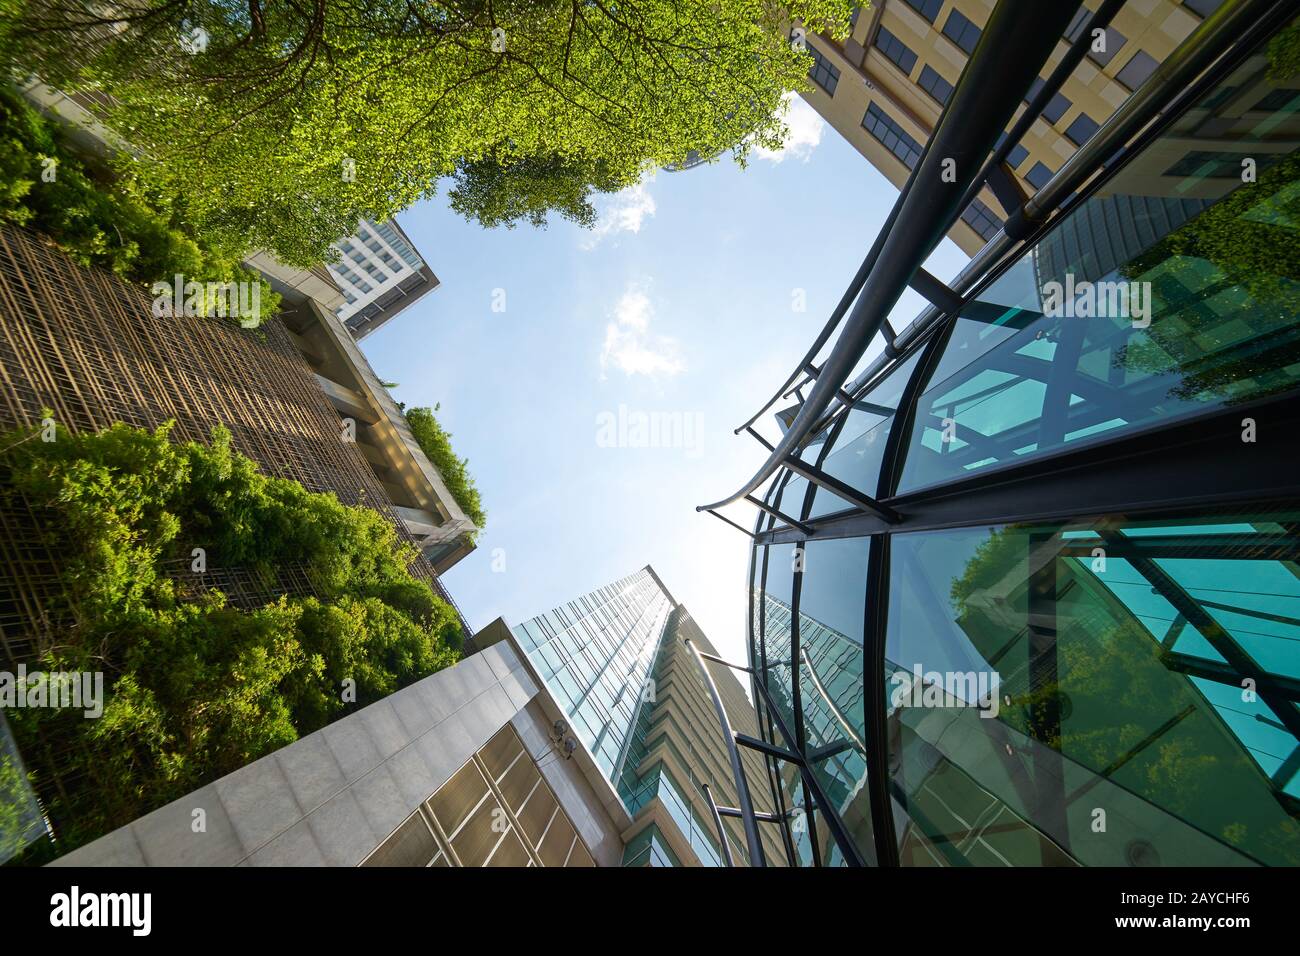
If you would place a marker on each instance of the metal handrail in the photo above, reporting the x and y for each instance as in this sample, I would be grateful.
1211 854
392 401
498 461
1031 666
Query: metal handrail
717 822
746 805
968 128
1075 53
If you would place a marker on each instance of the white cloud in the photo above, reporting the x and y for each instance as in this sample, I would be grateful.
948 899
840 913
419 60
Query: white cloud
624 211
629 345
805 132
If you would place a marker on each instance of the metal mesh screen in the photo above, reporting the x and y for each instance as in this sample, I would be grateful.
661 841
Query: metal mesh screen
86 345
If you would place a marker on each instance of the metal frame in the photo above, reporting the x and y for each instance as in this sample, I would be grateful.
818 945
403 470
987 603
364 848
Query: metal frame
1129 474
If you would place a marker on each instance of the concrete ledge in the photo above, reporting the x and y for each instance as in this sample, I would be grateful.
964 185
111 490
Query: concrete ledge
334 795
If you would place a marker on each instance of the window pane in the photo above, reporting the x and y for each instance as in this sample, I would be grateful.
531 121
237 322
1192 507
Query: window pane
961 31
935 85
1081 130
1160 296
860 446
1056 107
896 50
832 602
1109 47
880 125
832 609
777 623
1137 70
1038 175
823 72
926 8
1118 654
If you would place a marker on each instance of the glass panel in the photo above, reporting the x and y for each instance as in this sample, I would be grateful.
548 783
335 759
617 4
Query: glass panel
832 608
777 621
1172 290
860 446
1099 692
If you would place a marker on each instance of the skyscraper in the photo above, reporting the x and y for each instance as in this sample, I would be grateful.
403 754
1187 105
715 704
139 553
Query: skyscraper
884 87
616 662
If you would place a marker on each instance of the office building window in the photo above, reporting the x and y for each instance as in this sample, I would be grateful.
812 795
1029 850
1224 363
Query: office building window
1279 100
1056 107
1111 46
935 85
1202 8
1081 130
1204 164
894 138
961 31
982 219
823 73
1137 70
896 50
390 236
1017 155
926 8
1076 24
1038 175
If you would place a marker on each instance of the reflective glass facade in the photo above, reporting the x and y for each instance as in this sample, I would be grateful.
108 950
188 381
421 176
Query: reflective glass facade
1076 641
616 663
595 654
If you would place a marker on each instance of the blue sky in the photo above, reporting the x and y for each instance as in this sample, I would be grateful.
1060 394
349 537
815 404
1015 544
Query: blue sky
681 306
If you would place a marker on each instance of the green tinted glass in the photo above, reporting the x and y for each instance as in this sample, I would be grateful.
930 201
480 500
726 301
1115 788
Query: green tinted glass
1106 693
1173 289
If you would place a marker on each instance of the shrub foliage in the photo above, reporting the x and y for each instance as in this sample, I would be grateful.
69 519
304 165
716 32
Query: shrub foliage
195 687
435 442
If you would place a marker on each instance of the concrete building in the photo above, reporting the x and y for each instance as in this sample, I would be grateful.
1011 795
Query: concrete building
328 308
501 760
379 273
884 87
463 768
88 348
412 484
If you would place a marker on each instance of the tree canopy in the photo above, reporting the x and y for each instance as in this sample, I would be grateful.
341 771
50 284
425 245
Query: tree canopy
283 122
100 220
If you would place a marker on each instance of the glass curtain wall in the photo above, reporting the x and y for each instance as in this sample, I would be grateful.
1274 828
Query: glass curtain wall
595 654
1115 688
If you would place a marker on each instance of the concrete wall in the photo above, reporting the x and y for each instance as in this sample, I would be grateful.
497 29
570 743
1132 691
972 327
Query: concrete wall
333 796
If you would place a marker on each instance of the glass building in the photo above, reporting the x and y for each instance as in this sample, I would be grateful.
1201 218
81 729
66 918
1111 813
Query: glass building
1027 592
616 663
